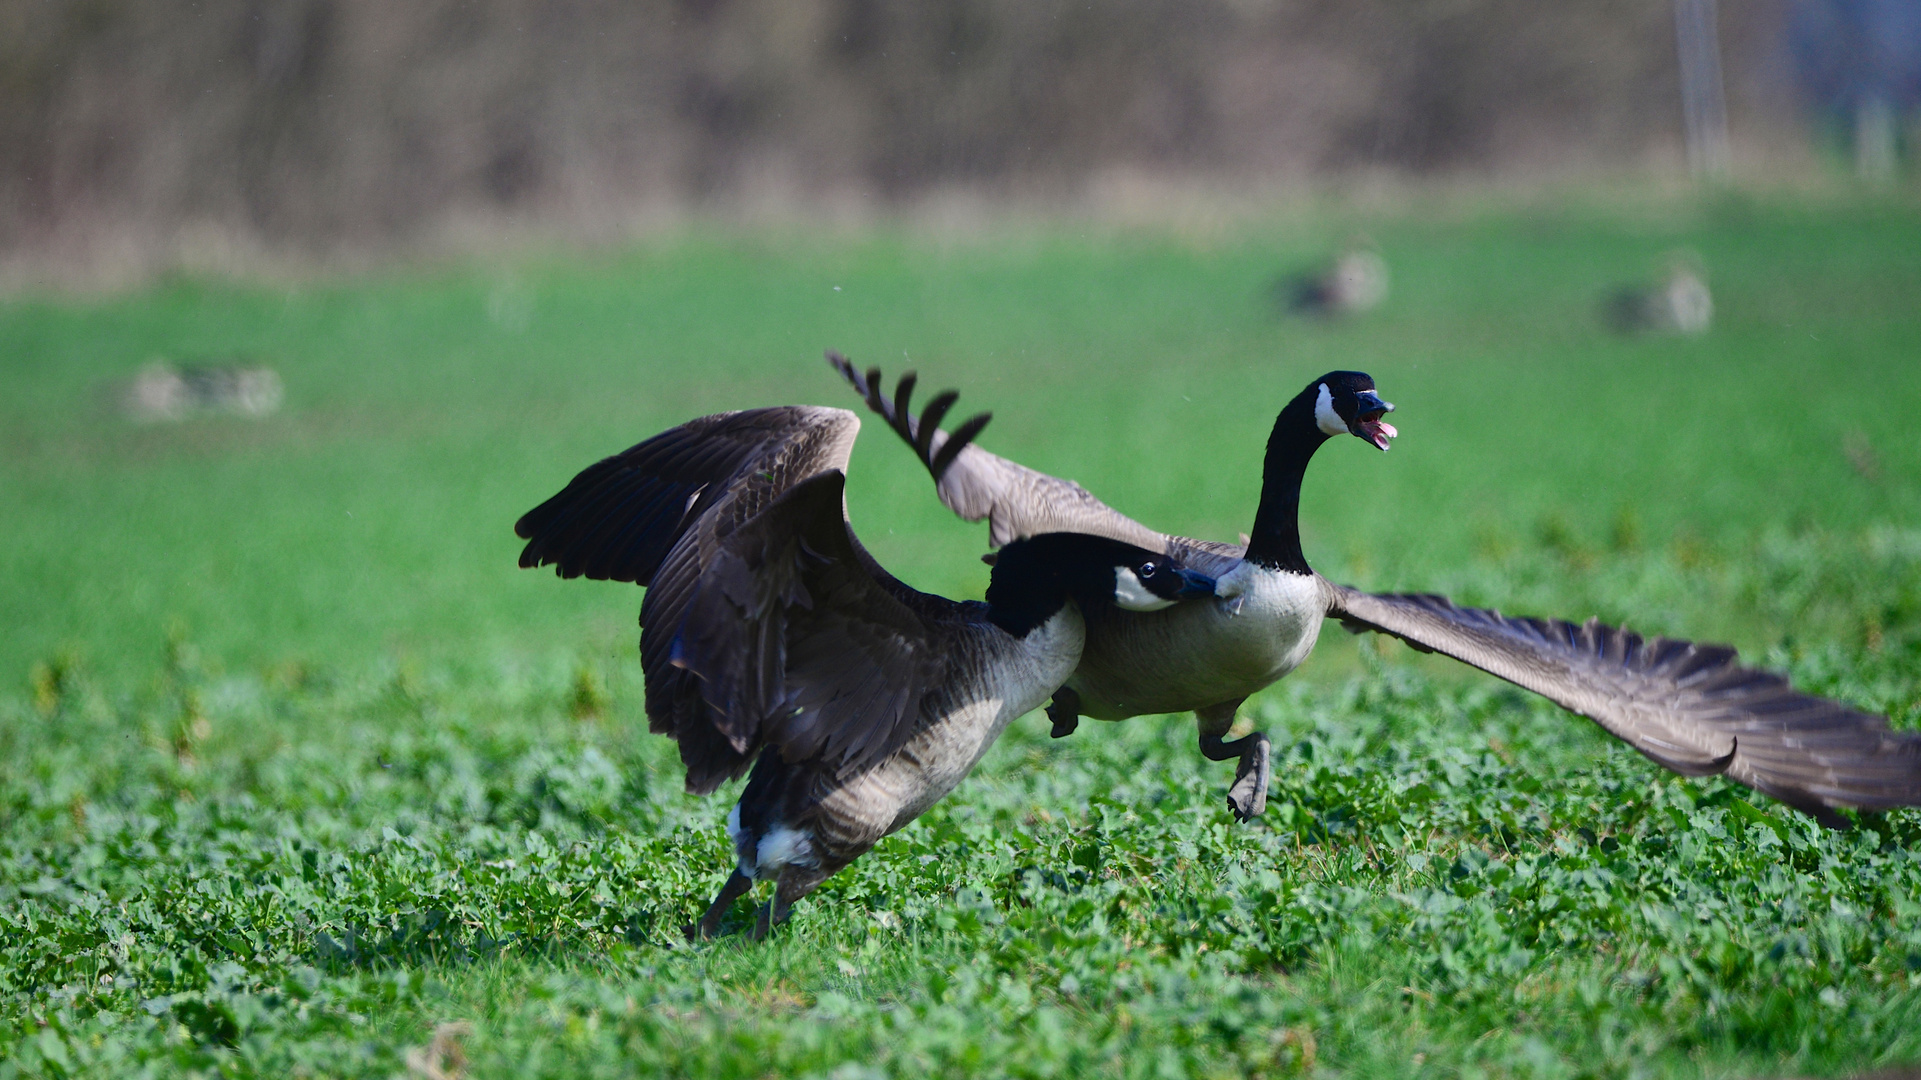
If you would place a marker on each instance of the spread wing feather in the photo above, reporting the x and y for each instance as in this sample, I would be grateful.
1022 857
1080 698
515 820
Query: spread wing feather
618 519
1017 501
1691 708
800 646
765 623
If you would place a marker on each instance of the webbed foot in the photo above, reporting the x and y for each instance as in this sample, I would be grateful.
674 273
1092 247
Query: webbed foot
1247 796
1065 711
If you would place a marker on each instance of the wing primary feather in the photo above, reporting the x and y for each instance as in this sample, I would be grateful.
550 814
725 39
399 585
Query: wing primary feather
600 554
930 419
1676 702
572 544
1015 501
548 526
957 441
904 400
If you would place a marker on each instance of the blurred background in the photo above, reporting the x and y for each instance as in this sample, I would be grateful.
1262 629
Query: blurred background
139 136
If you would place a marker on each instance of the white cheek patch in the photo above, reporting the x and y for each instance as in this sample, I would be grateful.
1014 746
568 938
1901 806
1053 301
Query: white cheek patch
1325 417
1131 595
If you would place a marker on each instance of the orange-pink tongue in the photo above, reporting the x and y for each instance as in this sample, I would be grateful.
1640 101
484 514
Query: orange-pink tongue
1378 432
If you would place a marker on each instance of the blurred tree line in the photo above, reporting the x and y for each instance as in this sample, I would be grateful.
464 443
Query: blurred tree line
316 123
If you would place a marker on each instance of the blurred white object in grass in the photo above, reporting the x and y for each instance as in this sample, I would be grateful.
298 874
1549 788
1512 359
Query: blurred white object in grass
164 392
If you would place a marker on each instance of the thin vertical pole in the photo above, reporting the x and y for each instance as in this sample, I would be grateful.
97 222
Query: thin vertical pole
1704 108
1874 138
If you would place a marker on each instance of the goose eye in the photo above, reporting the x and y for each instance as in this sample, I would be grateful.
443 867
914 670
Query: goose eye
1147 570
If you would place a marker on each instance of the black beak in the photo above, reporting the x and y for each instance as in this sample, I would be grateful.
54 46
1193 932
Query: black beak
1195 583
1369 404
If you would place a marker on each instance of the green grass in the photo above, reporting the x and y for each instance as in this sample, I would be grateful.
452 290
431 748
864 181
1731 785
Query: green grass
295 765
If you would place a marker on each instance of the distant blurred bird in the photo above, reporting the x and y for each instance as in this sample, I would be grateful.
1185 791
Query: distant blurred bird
1354 282
163 391
1680 304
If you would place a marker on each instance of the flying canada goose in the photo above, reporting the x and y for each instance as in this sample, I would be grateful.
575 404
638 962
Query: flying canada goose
771 638
1690 708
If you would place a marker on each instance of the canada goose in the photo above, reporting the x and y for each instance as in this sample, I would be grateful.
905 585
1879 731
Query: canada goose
1691 708
1680 304
165 392
1354 282
771 638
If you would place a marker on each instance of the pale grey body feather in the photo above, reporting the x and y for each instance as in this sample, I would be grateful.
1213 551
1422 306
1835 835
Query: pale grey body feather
1208 652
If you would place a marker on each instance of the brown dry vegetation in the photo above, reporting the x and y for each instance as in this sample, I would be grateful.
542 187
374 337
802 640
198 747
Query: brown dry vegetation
327 125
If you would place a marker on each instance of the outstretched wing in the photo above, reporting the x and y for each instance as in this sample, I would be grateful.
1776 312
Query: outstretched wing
653 514
765 622
617 520
1690 708
1017 501
801 643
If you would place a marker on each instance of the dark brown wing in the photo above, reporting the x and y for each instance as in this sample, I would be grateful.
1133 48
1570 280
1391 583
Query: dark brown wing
1691 708
653 514
801 643
1017 501
620 516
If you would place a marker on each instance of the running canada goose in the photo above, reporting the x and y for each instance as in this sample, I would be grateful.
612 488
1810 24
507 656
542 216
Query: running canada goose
1690 708
770 637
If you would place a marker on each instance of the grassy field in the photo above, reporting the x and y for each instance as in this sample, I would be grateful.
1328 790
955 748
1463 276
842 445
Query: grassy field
296 768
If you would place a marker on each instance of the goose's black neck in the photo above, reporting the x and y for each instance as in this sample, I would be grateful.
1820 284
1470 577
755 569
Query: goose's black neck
1022 603
1275 542
1035 577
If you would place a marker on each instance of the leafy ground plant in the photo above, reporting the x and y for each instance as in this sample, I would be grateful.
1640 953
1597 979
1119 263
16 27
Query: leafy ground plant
298 776
1450 878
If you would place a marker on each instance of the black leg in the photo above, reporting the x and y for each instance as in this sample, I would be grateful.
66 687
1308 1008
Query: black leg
794 883
1215 748
1065 711
1247 796
737 884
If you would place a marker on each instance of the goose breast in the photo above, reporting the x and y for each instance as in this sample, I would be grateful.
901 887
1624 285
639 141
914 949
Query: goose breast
1194 655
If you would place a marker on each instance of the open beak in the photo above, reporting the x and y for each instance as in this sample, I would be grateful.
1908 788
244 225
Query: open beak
1195 583
1368 423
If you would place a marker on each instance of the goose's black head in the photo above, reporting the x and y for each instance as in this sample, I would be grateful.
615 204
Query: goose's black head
1034 577
1345 402
1336 403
